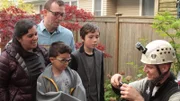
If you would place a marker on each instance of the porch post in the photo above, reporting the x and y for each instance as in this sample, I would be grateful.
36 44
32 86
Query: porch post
117 43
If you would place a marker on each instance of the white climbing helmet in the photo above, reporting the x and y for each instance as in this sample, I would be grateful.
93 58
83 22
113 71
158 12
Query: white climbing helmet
158 52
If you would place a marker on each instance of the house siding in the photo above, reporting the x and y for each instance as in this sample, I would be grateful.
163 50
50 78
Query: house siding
86 5
109 7
168 5
128 7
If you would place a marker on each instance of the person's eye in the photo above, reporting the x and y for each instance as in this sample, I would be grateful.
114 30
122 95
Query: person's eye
90 37
63 60
29 36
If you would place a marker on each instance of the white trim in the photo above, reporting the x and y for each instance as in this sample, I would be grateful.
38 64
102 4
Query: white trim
156 7
77 4
102 10
93 6
140 7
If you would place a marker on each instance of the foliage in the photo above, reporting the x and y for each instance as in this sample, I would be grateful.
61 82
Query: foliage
74 16
140 72
19 4
109 93
8 17
168 26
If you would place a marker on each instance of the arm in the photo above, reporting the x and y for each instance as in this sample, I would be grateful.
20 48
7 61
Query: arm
128 91
73 64
4 78
73 43
102 80
175 97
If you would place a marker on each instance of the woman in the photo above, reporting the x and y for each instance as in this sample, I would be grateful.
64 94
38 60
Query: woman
21 63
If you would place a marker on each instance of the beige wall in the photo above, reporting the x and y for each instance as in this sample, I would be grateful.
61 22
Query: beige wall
168 5
128 7
86 5
109 7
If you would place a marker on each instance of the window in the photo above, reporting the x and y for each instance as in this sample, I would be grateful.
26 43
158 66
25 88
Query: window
66 3
147 7
71 3
40 8
97 7
74 3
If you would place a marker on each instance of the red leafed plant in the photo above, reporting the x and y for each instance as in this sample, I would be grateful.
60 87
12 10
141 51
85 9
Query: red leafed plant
8 18
74 16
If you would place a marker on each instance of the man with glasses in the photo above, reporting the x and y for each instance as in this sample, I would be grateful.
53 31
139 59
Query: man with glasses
49 29
58 82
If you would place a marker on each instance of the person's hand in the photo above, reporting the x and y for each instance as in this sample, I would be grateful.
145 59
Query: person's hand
129 93
115 80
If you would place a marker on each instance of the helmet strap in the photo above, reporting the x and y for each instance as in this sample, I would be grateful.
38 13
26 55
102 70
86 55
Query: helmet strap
156 82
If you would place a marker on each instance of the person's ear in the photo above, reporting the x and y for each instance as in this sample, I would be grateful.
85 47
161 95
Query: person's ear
44 12
165 67
82 39
18 39
51 59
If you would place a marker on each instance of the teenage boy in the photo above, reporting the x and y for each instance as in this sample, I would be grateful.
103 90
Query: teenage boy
88 62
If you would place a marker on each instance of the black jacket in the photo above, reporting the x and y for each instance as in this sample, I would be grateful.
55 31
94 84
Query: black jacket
78 63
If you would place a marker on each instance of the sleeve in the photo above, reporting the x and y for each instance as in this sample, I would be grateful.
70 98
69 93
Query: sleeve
175 97
79 91
102 80
73 43
73 64
139 85
4 78
43 95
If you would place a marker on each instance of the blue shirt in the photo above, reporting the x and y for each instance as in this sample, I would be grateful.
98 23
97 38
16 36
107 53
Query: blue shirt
61 34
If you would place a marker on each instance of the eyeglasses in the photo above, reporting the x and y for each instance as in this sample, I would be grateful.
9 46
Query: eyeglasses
64 60
57 14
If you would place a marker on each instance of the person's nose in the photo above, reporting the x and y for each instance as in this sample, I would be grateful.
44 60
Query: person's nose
95 39
35 37
60 17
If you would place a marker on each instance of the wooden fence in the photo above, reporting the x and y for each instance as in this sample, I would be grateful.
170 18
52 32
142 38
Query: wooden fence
119 35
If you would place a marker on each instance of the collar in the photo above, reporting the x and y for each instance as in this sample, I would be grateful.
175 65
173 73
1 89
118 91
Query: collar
42 27
81 49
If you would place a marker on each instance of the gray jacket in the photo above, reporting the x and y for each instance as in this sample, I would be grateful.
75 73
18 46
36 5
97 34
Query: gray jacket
47 90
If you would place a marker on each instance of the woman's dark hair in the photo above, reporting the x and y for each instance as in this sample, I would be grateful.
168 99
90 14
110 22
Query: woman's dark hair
59 48
22 26
87 28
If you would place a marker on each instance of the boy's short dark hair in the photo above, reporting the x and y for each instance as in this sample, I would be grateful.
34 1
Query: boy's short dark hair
49 3
59 47
89 27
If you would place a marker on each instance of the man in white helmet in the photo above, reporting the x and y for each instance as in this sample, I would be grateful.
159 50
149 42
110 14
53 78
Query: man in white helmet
160 84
